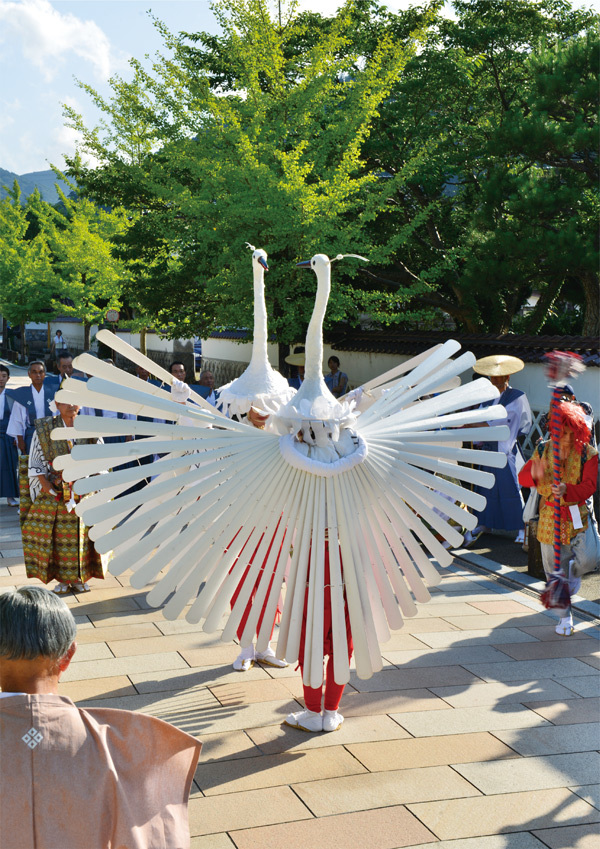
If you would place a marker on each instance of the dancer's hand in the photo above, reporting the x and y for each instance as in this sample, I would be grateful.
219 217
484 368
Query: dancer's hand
559 490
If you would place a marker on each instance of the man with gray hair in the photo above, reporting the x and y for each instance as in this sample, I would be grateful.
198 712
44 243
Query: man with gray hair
79 778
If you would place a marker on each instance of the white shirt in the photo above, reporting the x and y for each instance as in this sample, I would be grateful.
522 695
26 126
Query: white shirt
2 397
18 421
60 342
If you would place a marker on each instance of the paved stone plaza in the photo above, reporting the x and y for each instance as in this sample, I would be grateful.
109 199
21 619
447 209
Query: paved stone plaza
481 732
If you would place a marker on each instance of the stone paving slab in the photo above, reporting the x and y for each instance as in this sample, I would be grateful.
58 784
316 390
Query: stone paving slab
532 773
408 679
535 809
475 695
570 712
285 768
500 620
516 840
487 637
430 751
571 837
274 739
112 633
552 739
249 810
466 720
383 828
588 685
98 688
572 647
213 841
453 656
558 668
123 666
364 704
156 682
590 793
381 789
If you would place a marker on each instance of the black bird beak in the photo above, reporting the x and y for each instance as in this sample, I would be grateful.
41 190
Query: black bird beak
304 264
263 262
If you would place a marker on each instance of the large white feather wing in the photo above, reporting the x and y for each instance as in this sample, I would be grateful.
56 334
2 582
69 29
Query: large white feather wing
225 511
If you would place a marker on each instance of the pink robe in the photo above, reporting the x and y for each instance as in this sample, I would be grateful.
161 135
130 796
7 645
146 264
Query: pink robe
91 779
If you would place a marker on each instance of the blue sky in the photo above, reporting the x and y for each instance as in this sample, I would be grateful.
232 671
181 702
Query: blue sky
44 44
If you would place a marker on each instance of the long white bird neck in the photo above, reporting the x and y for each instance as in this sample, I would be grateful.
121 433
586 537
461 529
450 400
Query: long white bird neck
314 334
260 357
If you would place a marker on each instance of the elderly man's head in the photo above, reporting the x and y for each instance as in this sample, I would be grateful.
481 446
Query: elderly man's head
37 640
64 363
207 378
37 373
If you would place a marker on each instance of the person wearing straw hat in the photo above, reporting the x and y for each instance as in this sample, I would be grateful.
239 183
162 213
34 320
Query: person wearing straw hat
504 507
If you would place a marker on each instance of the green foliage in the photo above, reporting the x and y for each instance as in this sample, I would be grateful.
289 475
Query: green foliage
459 155
260 141
27 281
80 240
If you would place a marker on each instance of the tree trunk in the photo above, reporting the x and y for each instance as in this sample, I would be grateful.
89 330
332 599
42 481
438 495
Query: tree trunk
86 336
591 317
143 341
536 320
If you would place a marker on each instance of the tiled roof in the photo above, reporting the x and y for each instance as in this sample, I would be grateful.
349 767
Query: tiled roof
530 349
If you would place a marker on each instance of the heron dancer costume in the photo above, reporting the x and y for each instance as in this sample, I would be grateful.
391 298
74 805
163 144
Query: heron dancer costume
365 485
55 540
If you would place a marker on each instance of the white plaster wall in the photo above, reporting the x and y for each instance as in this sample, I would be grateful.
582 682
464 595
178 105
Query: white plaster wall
532 381
361 367
229 349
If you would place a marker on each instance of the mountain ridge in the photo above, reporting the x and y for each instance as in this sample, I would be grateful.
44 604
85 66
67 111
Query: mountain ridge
44 181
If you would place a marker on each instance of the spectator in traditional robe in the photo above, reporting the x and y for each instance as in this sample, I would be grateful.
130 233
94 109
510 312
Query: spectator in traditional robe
74 778
56 543
9 458
504 507
31 403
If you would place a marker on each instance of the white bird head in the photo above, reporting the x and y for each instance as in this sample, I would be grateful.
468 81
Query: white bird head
259 384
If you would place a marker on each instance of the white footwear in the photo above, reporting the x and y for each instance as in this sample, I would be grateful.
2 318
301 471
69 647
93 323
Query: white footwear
473 535
245 659
565 626
61 589
269 658
80 587
13 502
332 720
520 537
306 720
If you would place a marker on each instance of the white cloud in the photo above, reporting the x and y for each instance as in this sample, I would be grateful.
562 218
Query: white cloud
47 36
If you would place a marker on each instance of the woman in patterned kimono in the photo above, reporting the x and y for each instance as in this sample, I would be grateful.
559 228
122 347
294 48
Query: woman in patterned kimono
55 540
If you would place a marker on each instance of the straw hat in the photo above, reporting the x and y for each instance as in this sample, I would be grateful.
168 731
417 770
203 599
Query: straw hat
498 365
295 359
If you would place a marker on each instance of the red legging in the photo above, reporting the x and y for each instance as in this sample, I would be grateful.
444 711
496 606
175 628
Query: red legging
333 691
246 614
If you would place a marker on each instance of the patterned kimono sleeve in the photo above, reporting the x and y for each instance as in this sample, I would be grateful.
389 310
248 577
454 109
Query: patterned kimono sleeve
38 465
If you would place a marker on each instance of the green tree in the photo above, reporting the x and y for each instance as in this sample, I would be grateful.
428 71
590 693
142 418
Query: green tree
503 103
252 139
28 285
90 277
